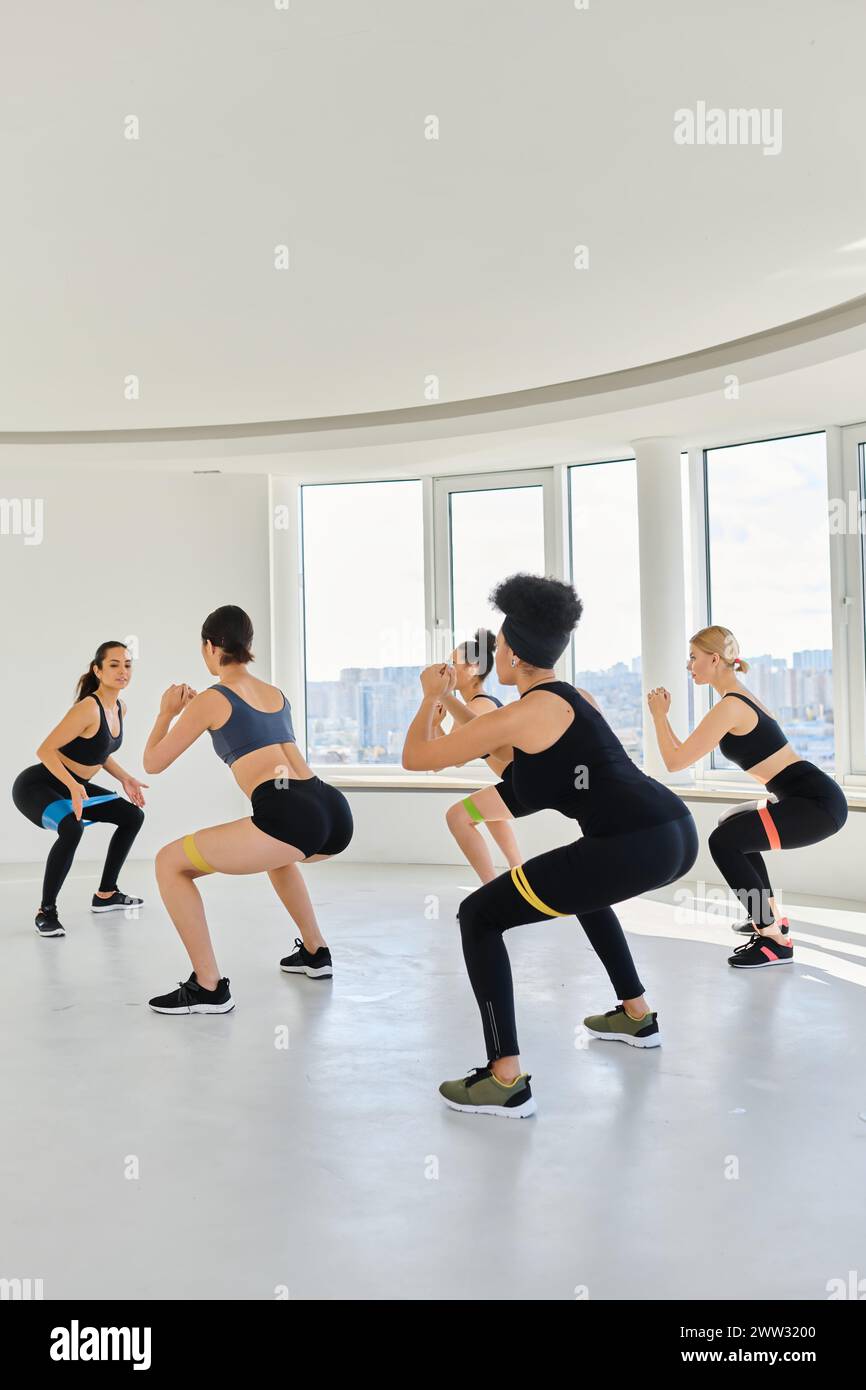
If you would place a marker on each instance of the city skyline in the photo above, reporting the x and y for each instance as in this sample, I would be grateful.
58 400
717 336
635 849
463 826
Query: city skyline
362 717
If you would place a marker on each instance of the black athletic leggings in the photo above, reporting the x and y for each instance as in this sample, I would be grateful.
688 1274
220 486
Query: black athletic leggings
810 807
36 787
582 880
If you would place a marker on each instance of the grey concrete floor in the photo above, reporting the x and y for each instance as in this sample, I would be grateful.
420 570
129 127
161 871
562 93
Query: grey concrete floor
728 1163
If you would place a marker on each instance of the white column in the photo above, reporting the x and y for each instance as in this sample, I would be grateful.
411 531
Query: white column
664 639
287 598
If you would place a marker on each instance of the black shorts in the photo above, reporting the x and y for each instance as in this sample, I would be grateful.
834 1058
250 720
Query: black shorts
305 812
507 792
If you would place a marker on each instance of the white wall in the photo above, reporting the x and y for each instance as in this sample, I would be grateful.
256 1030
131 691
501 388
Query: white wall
126 555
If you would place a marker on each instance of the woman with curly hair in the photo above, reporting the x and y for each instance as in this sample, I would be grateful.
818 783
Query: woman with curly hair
637 834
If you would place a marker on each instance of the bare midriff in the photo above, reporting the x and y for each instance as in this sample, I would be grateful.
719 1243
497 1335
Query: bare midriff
85 773
769 768
277 761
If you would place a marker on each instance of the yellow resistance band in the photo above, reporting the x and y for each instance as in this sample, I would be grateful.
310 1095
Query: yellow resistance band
191 851
521 883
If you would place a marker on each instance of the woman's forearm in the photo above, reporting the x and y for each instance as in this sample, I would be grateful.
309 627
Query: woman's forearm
457 709
420 732
113 768
677 742
667 740
161 727
50 759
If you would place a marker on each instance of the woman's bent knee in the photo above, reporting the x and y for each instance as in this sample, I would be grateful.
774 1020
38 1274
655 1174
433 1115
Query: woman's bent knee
457 817
168 860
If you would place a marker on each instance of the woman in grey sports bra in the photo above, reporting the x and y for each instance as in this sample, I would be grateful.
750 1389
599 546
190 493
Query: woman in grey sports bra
803 806
296 817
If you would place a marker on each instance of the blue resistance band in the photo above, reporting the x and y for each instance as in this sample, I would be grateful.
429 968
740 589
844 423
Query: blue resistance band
57 810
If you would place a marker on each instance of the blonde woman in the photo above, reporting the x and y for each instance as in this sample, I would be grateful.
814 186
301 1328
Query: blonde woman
803 807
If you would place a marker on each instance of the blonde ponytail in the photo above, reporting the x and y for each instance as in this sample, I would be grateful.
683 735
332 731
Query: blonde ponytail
721 642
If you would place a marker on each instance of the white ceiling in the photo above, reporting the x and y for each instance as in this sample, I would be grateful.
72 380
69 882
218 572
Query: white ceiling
408 257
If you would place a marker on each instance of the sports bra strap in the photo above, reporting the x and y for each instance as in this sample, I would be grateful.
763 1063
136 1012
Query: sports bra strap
748 700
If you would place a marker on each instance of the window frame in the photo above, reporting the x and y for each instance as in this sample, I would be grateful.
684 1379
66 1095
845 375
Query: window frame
443 486
706 775
568 576
357 770
848 566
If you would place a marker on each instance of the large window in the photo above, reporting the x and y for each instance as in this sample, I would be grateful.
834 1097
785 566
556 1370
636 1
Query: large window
493 532
374 581
363 564
605 572
769 580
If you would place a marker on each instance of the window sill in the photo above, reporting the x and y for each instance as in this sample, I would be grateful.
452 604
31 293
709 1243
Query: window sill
435 782
408 782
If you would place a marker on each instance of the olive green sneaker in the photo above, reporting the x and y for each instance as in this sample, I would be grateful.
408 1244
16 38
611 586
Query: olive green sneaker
481 1094
619 1027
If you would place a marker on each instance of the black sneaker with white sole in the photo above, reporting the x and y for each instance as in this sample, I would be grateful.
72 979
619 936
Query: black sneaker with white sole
191 998
48 923
303 962
118 902
762 951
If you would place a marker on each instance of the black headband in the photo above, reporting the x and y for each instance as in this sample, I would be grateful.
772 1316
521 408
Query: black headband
537 648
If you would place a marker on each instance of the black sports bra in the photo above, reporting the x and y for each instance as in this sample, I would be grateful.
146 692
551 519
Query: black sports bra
482 695
93 751
747 750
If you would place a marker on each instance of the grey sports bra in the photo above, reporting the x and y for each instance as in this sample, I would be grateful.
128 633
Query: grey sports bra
247 729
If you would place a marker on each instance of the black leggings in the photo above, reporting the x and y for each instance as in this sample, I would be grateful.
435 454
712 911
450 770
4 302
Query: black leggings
582 880
36 787
810 807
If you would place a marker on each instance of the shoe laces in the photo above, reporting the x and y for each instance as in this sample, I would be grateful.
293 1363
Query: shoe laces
747 945
476 1073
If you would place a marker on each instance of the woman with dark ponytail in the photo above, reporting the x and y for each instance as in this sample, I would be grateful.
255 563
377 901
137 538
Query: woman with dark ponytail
296 818
57 792
493 806
637 834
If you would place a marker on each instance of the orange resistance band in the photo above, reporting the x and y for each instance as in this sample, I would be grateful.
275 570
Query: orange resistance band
772 832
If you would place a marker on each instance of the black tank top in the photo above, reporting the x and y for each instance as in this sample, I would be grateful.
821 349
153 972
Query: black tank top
588 776
93 751
747 750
